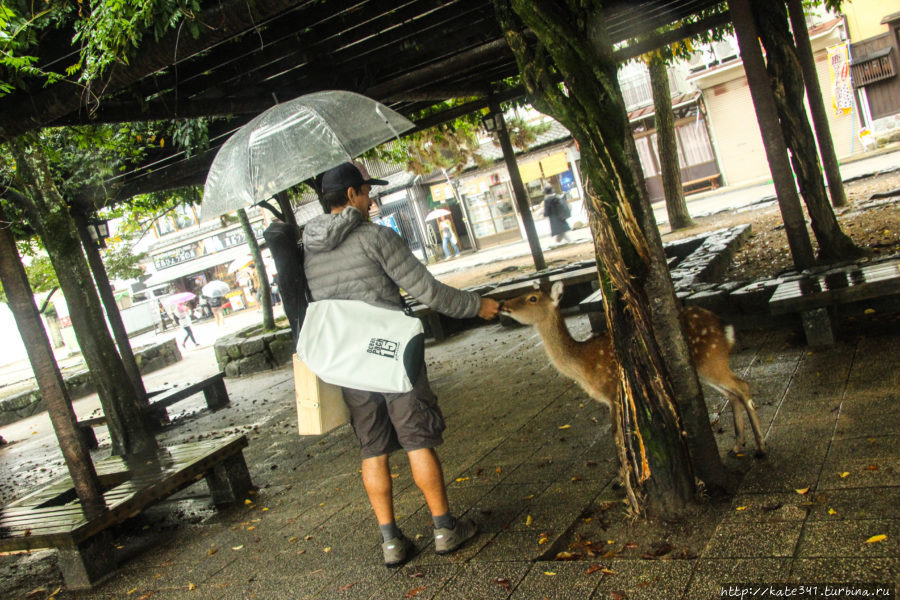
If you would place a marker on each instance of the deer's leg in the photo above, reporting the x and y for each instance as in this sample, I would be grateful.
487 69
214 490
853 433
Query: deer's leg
738 418
742 391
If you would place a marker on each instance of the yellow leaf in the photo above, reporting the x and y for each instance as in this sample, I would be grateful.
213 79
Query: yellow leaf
876 538
265 509
566 426
237 547
191 586
831 511
462 479
528 521
869 311
741 508
131 591
162 142
327 549
803 491
543 540
549 573
292 539
251 528
587 519
610 542
844 474
248 501
740 455
529 496
211 551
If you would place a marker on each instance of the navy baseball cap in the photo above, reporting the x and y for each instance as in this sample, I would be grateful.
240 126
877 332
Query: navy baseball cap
347 175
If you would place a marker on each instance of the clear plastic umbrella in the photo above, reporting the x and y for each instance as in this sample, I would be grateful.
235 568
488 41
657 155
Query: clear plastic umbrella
215 289
292 142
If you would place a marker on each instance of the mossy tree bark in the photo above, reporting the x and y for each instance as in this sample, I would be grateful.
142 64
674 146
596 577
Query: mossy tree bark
786 79
572 45
265 291
670 167
49 379
49 215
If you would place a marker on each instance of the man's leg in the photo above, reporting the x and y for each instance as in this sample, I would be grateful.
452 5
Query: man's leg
376 476
429 477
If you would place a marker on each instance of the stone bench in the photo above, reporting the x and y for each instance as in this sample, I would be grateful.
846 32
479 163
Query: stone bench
816 297
52 517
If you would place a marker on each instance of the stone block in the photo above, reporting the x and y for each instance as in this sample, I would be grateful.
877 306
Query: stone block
221 351
234 351
253 346
714 300
281 351
254 364
232 369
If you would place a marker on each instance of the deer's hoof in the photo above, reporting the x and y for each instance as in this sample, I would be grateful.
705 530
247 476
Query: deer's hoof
760 453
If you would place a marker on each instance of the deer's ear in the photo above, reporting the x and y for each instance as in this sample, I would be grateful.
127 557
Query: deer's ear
556 293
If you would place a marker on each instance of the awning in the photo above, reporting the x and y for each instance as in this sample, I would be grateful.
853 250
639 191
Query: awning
196 265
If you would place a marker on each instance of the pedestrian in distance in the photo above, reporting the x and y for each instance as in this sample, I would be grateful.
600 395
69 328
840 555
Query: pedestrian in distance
348 257
557 210
184 319
448 237
217 306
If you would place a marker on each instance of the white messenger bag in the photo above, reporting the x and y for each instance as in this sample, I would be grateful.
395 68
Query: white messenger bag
356 345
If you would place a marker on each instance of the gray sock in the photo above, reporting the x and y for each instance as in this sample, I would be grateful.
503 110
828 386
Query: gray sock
389 531
446 521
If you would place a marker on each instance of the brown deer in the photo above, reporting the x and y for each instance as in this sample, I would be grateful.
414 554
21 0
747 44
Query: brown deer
592 363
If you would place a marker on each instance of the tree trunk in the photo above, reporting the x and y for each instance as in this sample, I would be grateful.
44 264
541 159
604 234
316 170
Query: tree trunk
773 140
49 215
653 454
676 207
287 210
111 308
265 291
817 105
786 79
49 379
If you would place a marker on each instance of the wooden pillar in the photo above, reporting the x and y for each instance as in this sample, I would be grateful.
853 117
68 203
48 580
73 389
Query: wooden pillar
817 104
515 178
46 372
109 305
773 139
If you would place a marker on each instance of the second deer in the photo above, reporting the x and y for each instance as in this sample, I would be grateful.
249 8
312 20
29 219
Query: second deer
592 363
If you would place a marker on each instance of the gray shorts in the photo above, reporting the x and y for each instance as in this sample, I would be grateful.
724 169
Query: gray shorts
384 423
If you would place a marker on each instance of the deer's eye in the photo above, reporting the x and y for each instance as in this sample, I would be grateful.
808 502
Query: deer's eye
532 298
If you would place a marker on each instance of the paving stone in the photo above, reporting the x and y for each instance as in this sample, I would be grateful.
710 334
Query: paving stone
764 540
711 575
848 539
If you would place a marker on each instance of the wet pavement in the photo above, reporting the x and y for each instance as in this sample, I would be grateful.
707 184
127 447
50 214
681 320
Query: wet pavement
527 455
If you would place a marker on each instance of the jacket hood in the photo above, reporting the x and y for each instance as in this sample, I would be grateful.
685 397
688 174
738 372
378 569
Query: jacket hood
326 232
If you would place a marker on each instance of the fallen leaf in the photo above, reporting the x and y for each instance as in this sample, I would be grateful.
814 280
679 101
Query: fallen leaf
145 596
529 496
564 426
42 590
876 538
498 470
248 501
549 573
307 538
872 468
617 596
567 556
741 508
869 311
844 474
237 547
543 540
326 549
630 546
528 521
251 528
609 572
415 591
293 539
504 583
462 479
593 569
577 478
299 552
265 509
802 491
191 586
587 519
831 511
344 588
396 475
131 591
211 551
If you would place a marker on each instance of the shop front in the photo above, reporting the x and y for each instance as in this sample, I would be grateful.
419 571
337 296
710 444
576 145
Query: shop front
491 210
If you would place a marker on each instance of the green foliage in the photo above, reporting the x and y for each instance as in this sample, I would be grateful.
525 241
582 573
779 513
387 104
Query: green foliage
106 31
122 262
40 274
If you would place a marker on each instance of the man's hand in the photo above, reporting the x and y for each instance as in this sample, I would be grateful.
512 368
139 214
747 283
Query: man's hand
489 308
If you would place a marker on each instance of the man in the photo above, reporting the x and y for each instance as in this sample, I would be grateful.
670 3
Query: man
557 209
347 257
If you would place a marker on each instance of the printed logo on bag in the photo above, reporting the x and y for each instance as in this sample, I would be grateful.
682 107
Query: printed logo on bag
382 347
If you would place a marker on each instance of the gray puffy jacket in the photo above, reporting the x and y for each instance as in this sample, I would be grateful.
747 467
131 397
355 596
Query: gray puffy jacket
351 259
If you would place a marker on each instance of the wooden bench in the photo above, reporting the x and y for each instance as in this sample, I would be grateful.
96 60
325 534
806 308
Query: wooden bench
701 184
52 517
213 389
433 320
816 297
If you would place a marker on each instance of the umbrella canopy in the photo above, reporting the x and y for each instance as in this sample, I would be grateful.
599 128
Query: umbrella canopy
292 142
240 263
215 289
179 298
437 214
